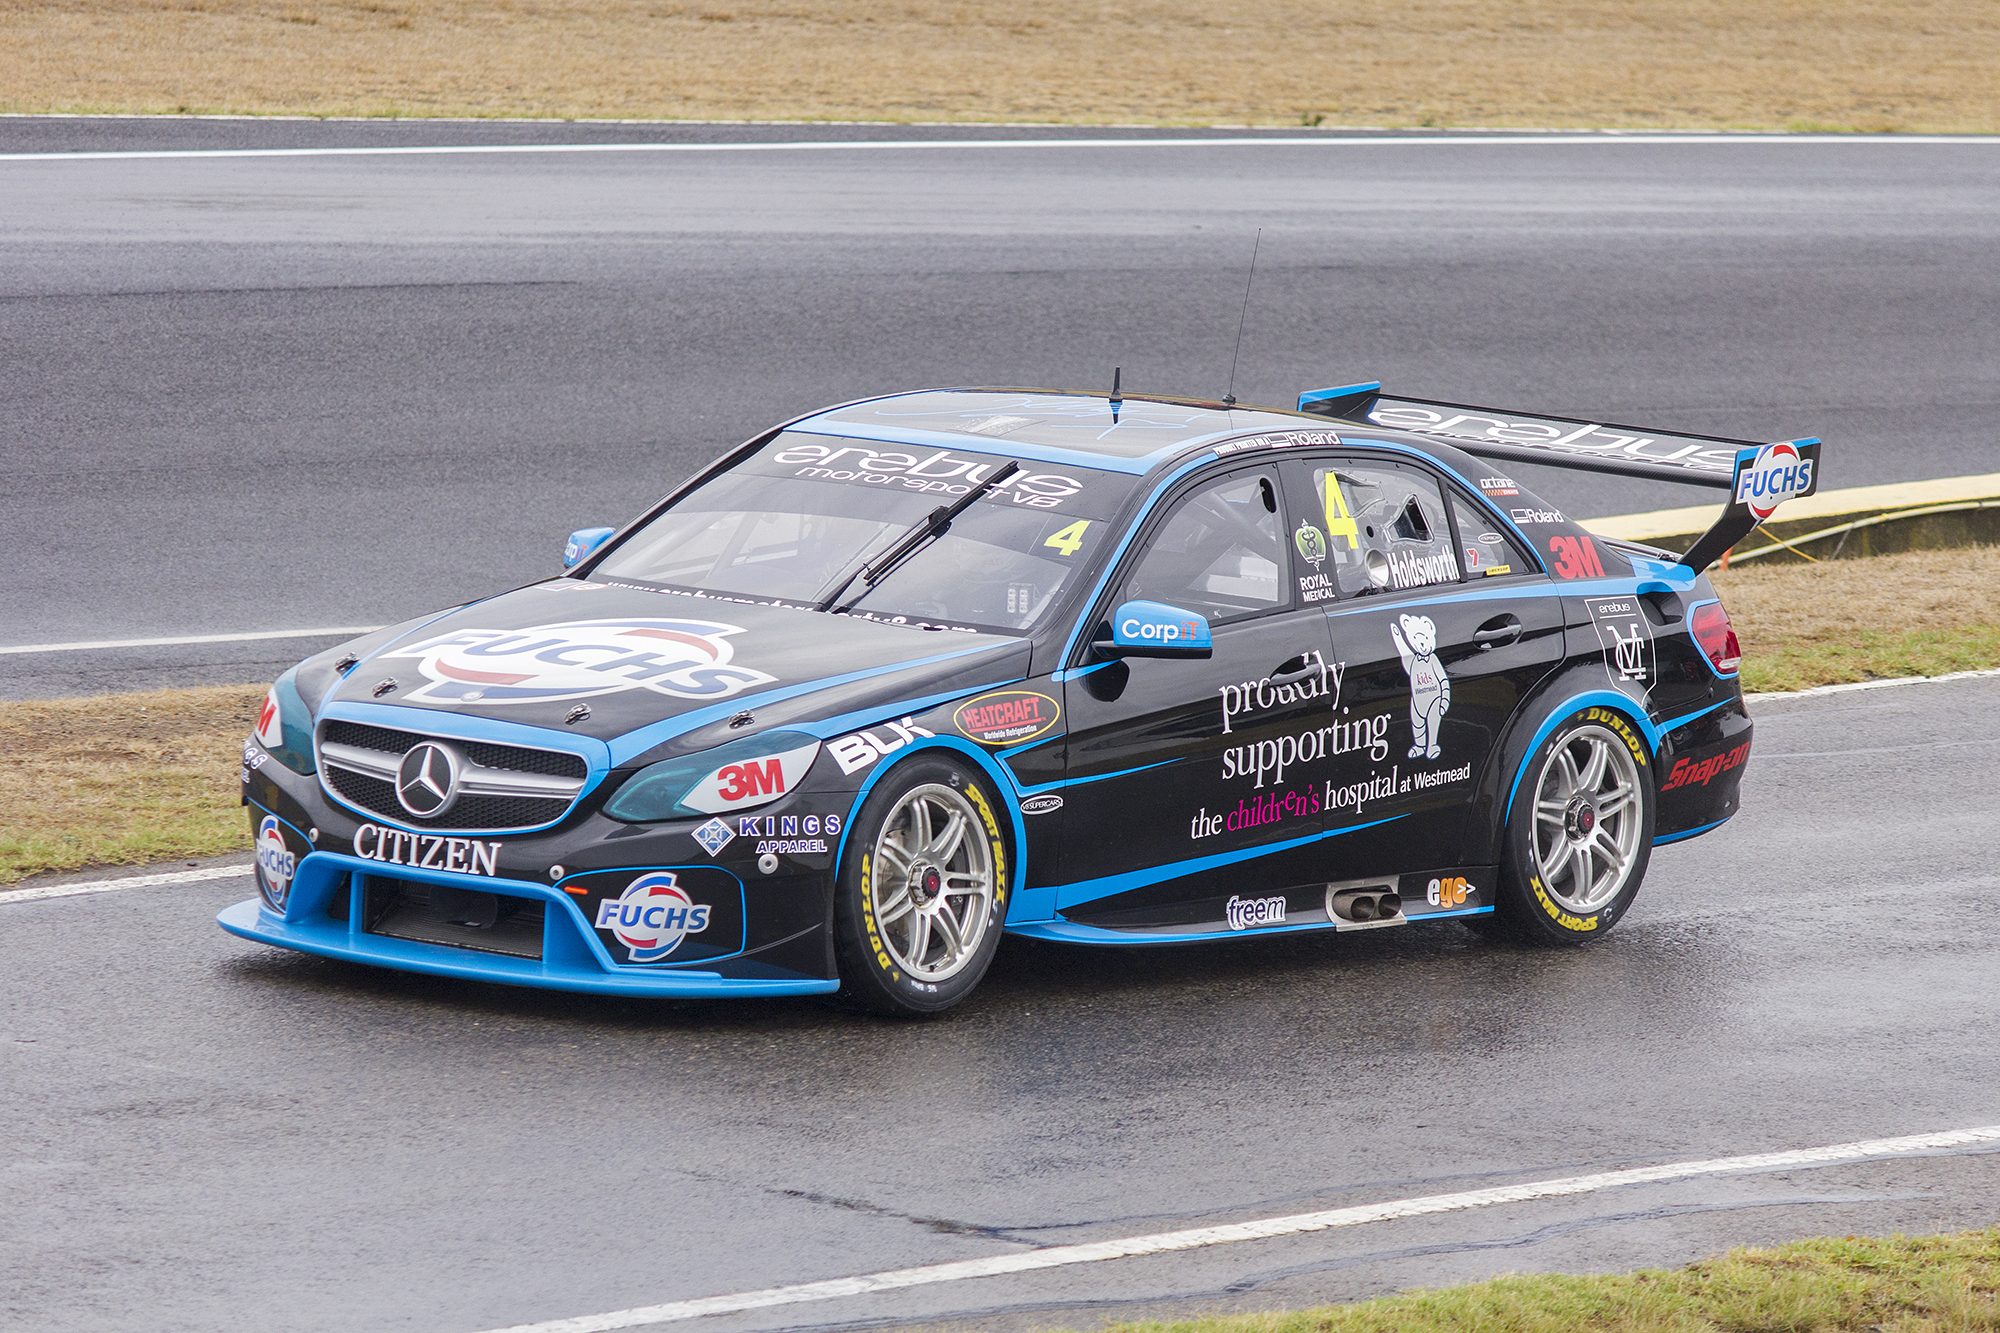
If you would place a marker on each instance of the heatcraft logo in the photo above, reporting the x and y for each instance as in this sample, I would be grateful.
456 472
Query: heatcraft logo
579 659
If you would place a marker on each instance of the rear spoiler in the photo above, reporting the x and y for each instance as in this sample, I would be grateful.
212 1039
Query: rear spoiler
1758 476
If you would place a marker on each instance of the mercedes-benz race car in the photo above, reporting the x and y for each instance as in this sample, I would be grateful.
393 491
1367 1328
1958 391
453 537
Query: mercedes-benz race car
898 676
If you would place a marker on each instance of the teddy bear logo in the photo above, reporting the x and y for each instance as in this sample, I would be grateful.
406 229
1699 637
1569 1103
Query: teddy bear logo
1430 687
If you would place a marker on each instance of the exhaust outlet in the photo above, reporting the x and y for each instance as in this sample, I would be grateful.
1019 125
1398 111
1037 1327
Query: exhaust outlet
1389 904
1364 904
1361 907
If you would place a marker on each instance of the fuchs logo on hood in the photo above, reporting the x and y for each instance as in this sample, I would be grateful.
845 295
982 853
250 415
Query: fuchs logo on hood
652 916
577 659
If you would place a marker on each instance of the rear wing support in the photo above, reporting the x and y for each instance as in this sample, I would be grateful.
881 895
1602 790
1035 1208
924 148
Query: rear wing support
1758 476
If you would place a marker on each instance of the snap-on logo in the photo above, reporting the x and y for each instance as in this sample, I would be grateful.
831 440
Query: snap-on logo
652 916
578 659
1007 717
1774 476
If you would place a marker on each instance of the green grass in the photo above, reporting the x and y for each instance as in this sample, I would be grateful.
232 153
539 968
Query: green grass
1831 1285
1874 655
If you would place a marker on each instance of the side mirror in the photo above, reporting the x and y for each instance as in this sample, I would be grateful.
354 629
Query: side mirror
1154 629
581 543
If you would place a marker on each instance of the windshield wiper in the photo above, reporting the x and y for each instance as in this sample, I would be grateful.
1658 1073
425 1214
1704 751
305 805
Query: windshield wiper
926 530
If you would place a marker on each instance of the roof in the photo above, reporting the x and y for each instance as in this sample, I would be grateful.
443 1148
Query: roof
1048 425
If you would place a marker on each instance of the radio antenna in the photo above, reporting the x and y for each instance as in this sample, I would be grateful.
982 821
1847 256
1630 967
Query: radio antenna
1229 394
1117 399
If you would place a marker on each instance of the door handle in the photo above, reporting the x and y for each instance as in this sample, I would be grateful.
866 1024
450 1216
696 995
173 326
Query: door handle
1497 632
1293 670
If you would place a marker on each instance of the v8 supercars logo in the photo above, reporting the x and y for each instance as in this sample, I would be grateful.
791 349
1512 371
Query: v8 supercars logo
652 916
579 659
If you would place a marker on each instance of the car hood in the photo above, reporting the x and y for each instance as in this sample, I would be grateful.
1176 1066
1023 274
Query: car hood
662 673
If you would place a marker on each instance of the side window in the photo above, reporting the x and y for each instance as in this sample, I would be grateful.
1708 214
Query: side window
1385 526
1219 552
1485 549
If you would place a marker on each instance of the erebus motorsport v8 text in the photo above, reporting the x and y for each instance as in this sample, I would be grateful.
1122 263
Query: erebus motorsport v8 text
901 676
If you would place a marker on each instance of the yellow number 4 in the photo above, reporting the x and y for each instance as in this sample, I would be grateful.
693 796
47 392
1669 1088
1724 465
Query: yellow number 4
1070 540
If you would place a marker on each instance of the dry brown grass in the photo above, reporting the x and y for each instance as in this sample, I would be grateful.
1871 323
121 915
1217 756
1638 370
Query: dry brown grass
1890 65
135 778
1921 613
122 779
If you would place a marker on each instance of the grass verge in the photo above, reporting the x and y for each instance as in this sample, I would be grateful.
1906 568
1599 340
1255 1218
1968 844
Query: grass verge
1830 1285
1770 64
132 779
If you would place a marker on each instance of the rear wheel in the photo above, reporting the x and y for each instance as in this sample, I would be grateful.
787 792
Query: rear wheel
1580 833
923 892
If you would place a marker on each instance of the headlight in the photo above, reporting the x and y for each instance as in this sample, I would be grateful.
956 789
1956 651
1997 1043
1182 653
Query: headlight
753 771
284 726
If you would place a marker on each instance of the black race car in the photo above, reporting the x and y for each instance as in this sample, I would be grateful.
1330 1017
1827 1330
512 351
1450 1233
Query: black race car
900 675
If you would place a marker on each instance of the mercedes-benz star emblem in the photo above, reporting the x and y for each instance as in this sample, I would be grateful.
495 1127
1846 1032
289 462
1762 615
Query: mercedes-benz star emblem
427 779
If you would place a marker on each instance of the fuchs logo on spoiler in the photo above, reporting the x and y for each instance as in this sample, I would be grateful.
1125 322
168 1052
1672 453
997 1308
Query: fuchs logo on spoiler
578 659
1772 475
1569 437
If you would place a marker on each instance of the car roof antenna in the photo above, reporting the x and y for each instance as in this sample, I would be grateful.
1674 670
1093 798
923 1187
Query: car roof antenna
1229 394
1117 398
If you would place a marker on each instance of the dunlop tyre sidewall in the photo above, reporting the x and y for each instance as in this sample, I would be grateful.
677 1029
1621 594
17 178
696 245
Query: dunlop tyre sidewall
1531 917
869 982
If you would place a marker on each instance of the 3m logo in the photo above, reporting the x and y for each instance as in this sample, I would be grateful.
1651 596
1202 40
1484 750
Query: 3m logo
1575 558
764 777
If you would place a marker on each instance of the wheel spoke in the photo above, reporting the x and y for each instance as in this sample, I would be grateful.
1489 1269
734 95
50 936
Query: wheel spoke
962 882
1580 878
920 938
891 861
894 908
920 825
1566 767
945 845
1593 768
1615 801
946 926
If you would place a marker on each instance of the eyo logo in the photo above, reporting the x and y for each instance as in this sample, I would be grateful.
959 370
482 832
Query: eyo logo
652 916
751 781
1776 474
578 659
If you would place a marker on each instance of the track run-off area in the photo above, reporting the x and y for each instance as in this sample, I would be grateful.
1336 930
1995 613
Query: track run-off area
267 378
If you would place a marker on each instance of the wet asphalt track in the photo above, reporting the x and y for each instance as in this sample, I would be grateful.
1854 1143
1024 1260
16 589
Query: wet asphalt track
206 1134
246 394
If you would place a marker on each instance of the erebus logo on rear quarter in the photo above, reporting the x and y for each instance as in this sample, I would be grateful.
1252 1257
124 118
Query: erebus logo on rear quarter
1007 717
578 659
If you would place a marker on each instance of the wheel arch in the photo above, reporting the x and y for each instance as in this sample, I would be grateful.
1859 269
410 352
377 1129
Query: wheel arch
988 766
1561 699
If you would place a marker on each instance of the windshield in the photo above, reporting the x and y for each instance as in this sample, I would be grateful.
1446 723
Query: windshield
789 522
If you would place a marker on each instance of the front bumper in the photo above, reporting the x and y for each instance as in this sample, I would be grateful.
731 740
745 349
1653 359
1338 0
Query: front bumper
327 913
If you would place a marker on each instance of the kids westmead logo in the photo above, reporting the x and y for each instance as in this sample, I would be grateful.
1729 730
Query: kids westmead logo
1430 687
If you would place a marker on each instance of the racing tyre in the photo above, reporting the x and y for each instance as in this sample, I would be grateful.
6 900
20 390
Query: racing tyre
922 892
1580 833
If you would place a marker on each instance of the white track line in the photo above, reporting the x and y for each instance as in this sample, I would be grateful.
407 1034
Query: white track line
126 882
1775 696
1166 1242
337 632
908 145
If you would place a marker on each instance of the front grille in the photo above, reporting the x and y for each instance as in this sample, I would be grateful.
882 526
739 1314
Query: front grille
460 918
502 786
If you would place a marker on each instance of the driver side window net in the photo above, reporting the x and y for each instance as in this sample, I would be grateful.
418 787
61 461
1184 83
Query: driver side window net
1385 527
1218 553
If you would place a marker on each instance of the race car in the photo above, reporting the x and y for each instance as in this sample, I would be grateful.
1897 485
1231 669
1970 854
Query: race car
900 676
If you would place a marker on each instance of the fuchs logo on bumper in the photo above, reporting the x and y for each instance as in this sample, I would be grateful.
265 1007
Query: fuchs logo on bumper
1007 718
652 916
1774 474
579 659
275 863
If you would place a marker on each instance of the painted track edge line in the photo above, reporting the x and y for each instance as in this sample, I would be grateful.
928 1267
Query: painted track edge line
251 636
907 145
1129 1247
1852 686
123 882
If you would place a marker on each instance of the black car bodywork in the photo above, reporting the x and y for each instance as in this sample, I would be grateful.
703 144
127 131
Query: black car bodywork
1364 736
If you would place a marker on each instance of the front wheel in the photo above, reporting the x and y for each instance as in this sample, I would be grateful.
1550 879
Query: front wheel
922 892
1580 832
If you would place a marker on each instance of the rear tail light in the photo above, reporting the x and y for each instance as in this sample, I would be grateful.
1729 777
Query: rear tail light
1717 637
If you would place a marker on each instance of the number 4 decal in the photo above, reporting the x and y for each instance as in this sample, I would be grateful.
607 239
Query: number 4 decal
1576 558
1069 540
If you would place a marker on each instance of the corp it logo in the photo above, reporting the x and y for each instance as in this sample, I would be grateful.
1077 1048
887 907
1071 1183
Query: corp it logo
580 659
652 916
